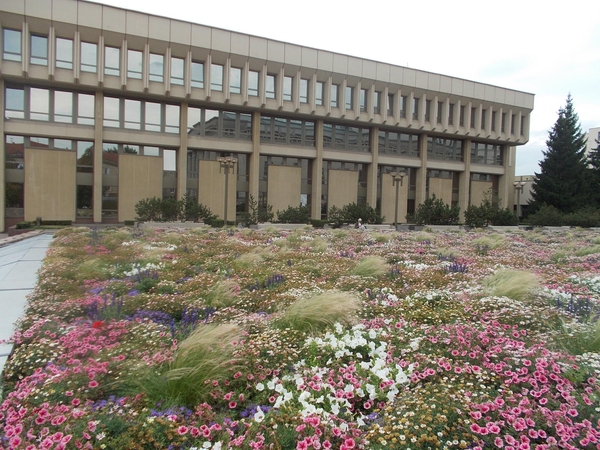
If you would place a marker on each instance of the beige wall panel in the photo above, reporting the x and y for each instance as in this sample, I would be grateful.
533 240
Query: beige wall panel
89 15
342 188
114 19
478 191
283 187
140 177
38 8
211 188
50 184
388 197
442 188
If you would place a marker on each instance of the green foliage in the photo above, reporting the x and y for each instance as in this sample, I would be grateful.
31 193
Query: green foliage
546 216
515 284
170 210
489 213
584 218
584 339
335 217
317 223
301 214
257 213
434 211
319 312
354 211
24 225
564 178
222 294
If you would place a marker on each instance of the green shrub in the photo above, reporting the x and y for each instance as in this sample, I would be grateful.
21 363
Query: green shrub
319 312
23 225
504 217
354 211
546 216
335 217
256 213
301 214
584 218
489 213
318 223
434 211
170 210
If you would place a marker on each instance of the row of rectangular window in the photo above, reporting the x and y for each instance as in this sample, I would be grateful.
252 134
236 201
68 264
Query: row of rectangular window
140 115
281 130
346 137
220 124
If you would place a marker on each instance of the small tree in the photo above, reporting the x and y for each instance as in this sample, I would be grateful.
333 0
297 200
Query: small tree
489 213
434 211
594 167
354 211
301 214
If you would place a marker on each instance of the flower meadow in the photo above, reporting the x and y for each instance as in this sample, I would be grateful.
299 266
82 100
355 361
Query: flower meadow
311 339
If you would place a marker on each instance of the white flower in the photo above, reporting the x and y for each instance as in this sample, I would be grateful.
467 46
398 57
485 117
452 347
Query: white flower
260 387
259 415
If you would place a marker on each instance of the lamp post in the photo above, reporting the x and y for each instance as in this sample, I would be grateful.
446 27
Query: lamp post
397 178
226 163
519 185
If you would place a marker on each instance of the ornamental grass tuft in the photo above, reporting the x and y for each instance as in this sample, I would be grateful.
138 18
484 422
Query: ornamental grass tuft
319 312
224 293
371 266
516 284
206 356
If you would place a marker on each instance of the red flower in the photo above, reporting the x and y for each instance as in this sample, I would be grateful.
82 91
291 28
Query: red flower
98 324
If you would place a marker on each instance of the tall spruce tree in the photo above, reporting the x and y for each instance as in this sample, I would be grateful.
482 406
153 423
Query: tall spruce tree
594 164
564 178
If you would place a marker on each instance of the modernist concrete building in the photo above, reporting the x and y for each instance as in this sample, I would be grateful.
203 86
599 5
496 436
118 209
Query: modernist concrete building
105 106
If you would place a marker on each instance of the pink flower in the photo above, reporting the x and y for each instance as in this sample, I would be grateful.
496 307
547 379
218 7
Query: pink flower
93 384
232 405
182 430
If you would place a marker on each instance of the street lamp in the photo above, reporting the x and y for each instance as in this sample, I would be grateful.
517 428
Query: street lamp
226 163
519 185
397 178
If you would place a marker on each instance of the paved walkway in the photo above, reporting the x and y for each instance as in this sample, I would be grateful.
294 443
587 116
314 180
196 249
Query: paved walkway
20 258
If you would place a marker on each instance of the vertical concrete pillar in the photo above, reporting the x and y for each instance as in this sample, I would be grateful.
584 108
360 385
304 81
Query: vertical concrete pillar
506 191
317 173
421 181
372 168
254 159
97 188
464 180
182 151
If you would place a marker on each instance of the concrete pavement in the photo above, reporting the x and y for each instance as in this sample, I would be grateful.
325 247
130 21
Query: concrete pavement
20 259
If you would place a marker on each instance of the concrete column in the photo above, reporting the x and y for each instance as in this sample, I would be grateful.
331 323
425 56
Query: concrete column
464 180
421 182
254 159
317 173
182 151
2 159
506 191
372 169
97 188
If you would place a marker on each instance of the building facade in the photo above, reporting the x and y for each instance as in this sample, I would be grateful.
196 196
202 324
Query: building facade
106 106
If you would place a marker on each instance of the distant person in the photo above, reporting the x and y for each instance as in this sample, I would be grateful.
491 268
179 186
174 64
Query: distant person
359 225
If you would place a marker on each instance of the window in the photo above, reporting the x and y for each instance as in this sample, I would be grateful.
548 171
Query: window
112 61
403 106
287 88
349 97
39 104
15 103
89 57
503 122
390 104
334 96
319 93
85 109
39 50
216 77
197 75
483 111
303 91
493 120
253 83
440 111
363 100
415 111
270 87
346 137
134 64
172 119
522 130
287 131
473 111
85 157
235 80
450 113
133 114
428 110
64 53
112 112
157 69
12 45
512 124
63 107
461 120
177 65
153 120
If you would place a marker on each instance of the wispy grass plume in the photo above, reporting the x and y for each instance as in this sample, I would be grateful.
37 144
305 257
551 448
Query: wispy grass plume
319 312
371 266
223 293
515 284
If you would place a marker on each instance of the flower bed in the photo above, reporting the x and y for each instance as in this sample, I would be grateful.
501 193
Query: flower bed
213 339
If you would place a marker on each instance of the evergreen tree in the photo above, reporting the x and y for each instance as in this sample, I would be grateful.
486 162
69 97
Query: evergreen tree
594 164
564 178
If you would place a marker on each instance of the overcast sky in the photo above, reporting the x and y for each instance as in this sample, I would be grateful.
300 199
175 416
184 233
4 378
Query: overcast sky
549 49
